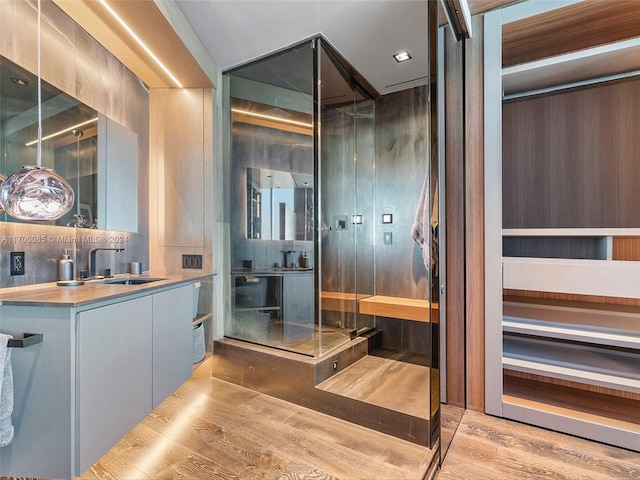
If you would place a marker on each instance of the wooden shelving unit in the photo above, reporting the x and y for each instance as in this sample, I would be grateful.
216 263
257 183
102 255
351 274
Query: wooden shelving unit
570 323
567 364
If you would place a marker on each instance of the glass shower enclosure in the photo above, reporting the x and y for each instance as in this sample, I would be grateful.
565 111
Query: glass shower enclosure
333 221
301 150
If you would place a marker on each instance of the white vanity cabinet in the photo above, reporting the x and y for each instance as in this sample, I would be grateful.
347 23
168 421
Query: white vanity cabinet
101 367
172 341
114 371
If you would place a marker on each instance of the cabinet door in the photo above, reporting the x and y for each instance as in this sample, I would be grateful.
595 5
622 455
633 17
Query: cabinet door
113 374
172 341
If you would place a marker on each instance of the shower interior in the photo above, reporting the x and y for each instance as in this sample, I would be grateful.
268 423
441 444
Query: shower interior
323 186
300 152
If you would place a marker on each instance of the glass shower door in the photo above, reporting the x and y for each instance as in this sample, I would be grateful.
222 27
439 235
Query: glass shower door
271 178
345 150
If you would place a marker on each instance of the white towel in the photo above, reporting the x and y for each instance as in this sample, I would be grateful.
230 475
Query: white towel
6 391
425 223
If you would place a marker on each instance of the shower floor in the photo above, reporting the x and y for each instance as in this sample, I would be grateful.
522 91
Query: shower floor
306 339
388 378
319 342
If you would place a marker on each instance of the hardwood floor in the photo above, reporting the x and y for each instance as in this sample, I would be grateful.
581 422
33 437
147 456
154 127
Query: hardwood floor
213 429
490 448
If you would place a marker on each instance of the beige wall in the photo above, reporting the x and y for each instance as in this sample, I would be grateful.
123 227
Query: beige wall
181 177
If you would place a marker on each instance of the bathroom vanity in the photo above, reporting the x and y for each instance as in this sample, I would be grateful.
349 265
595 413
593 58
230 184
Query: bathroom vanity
110 353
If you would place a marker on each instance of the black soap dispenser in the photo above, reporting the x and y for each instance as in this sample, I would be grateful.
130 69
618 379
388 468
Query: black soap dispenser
304 260
65 267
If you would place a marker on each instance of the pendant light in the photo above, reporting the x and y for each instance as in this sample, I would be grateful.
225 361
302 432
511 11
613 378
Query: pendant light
34 192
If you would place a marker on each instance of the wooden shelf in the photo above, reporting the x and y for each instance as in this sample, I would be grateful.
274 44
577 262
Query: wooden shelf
399 307
572 413
571 232
594 326
569 397
572 69
577 363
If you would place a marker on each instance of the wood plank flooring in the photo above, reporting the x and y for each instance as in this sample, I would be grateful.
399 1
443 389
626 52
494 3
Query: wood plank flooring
386 382
213 429
492 448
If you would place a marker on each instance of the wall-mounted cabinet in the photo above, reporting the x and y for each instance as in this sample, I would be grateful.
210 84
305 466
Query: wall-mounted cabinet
564 310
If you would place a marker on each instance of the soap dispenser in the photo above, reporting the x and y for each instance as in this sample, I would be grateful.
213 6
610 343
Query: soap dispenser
304 260
65 267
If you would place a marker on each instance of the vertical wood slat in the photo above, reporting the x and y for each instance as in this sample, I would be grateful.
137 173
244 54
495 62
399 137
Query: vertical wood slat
454 216
474 217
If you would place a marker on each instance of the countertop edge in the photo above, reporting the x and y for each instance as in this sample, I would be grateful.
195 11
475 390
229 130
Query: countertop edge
52 295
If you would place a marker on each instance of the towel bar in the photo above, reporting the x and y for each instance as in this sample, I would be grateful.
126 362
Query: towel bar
27 340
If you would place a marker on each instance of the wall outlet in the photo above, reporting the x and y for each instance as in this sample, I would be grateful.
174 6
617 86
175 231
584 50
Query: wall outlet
192 261
16 263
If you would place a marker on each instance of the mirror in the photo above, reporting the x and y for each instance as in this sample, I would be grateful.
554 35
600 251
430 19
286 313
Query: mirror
75 143
279 205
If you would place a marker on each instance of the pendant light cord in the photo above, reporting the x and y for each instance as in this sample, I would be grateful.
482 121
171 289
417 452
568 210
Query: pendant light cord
39 148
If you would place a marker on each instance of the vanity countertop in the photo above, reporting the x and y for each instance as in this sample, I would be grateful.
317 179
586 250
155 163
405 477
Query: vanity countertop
52 295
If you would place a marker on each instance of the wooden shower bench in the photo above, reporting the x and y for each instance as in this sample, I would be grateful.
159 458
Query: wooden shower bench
385 306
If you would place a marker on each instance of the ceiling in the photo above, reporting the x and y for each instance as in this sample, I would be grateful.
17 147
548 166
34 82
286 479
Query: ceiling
233 32
366 32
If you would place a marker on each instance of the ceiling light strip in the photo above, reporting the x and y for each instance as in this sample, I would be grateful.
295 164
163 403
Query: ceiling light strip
140 42
270 117
60 132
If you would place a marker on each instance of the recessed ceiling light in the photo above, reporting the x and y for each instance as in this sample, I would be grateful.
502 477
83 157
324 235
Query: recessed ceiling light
402 56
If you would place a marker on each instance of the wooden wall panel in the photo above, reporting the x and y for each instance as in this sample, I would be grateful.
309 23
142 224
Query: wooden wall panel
474 216
454 201
569 159
583 25
180 176
598 300
626 248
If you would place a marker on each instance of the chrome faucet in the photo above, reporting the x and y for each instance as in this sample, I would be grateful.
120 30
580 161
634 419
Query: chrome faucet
92 259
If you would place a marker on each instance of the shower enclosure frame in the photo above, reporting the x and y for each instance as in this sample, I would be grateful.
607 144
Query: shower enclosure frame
265 266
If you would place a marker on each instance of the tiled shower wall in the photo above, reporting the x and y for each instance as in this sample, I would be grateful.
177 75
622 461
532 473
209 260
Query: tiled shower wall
402 146
43 245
